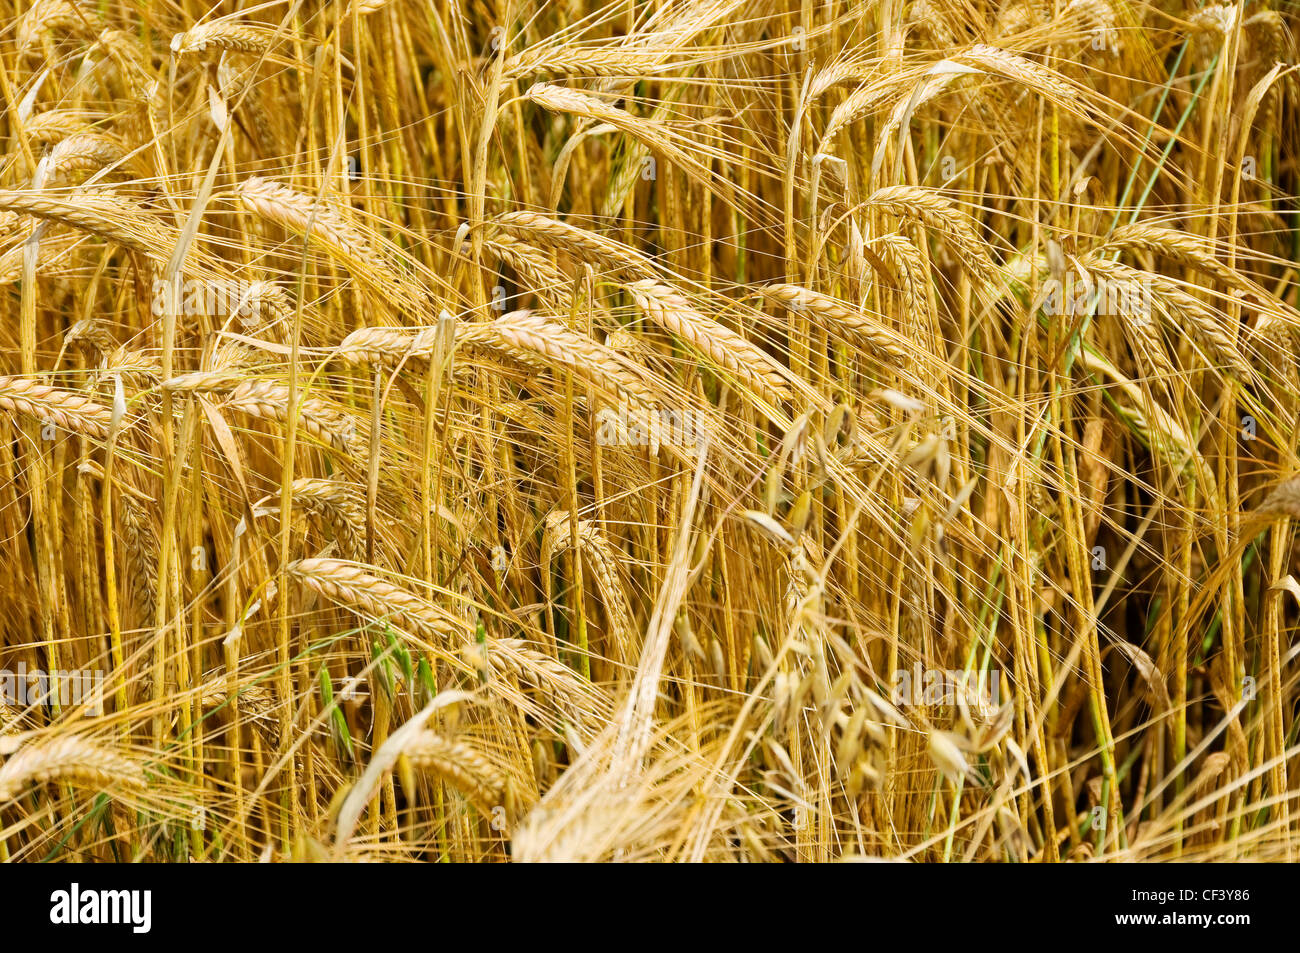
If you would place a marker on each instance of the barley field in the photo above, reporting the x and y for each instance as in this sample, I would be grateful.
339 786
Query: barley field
649 430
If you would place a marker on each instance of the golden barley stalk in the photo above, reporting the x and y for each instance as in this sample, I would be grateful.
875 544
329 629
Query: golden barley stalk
340 506
302 215
604 561
934 211
222 36
565 237
99 213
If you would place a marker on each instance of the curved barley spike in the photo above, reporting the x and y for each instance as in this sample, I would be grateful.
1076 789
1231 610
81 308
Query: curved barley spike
937 213
740 358
647 130
84 152
270 401
303 215
604 561
140 540
1050 83
221 36
92 332
54 125
620 60
62 408
45 15
536 334
886 342
543 278
566 689
857 104
340 506
98 212
387 346
904 259
457 763
1190 250
570 239
1183 312
55 250
351 585
73 759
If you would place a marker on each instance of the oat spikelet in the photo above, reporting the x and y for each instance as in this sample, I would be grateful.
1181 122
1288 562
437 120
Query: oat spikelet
62 408
72 759
729 350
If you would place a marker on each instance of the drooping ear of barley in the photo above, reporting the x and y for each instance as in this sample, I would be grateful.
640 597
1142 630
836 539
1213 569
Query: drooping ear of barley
943 218
270 401
554 342
603 559
303 215
339 506
64 409
854 323
463 767
73 759
222 36
730 351
351 585
557 235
